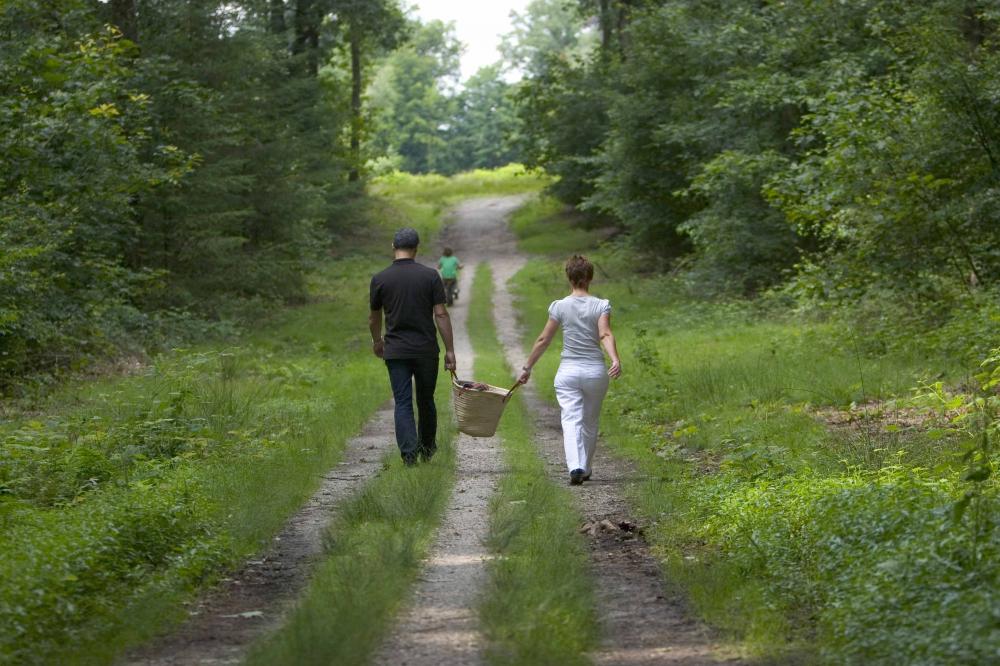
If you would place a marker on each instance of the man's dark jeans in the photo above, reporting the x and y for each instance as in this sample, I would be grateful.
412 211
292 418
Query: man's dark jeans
403 374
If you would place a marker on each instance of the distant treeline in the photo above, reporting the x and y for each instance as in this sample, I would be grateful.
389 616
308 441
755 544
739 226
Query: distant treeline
167 163
848 149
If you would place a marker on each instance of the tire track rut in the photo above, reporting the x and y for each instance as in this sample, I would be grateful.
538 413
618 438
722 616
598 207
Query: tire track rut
254 600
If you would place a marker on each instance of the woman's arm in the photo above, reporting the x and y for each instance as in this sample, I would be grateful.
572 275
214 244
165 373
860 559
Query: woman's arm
541 344
608 341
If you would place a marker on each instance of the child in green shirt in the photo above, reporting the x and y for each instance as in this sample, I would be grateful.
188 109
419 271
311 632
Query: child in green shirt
449 266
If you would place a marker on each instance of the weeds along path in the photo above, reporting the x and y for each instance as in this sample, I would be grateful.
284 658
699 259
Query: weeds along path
253 600
642 620
440 623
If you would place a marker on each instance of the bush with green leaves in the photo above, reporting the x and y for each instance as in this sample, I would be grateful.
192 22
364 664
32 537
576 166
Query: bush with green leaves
76 151
883 552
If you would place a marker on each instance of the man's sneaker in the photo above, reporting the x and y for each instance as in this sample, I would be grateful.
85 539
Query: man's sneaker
410 461
425 455
586 477
576 477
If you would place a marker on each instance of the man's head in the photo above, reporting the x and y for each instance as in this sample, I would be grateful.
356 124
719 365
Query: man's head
405 242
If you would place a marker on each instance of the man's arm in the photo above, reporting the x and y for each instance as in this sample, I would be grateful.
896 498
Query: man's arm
375 326
443 321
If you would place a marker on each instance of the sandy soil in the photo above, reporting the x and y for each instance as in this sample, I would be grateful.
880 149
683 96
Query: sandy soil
253 600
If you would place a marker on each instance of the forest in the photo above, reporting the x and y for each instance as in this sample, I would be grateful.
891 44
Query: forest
795 203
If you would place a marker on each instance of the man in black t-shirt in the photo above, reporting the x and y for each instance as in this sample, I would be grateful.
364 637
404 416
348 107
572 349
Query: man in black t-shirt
412 298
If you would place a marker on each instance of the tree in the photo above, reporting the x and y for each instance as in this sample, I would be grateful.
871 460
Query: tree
189 176
414 98
546 30
485 125
74 154
372 26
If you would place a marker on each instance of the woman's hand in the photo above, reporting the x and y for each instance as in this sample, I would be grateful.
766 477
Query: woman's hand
525 376
615 370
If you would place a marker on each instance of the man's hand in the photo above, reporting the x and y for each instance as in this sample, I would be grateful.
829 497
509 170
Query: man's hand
525 375
449 361
378 348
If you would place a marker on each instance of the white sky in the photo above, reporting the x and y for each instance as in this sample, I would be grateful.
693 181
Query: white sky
478 24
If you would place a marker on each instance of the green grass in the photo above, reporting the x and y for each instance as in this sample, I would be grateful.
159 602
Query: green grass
129 493
374 552
424 198
536 607
121 497
546 226
799 540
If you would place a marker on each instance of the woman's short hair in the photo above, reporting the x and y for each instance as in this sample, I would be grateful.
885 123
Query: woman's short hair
579 271
447 252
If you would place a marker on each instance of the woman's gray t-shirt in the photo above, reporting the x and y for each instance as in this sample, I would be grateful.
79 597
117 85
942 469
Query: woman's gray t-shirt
578 317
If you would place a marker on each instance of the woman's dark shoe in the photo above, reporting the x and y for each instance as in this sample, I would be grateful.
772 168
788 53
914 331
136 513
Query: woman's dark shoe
576 477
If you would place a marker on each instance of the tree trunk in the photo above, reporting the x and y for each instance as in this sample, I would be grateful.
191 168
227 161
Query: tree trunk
607 29
355 38
307 34
277 17
125 18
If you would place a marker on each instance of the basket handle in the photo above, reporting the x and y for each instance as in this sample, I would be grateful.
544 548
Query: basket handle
511 391
454 380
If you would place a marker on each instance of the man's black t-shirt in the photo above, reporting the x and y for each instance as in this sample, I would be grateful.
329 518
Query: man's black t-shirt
408 292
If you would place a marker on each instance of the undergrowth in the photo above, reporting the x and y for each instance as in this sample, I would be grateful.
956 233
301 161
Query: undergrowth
544 225
120 496
846 540
128 493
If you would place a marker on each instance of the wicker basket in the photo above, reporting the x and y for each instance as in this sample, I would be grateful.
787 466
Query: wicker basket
477 412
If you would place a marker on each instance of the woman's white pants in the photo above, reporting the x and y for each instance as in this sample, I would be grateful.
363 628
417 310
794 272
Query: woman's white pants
580 390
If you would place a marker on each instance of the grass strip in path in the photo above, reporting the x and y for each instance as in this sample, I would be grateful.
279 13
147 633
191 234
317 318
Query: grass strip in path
374 551
537 607
439 624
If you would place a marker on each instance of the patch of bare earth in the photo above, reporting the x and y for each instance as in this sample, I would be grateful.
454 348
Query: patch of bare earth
439 625
643 621
253 600
882 416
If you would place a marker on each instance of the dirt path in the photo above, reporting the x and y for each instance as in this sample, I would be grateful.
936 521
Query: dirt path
642 621
253 601
440 624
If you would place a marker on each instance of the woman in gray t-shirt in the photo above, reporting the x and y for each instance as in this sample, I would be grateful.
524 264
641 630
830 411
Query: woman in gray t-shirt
582 380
